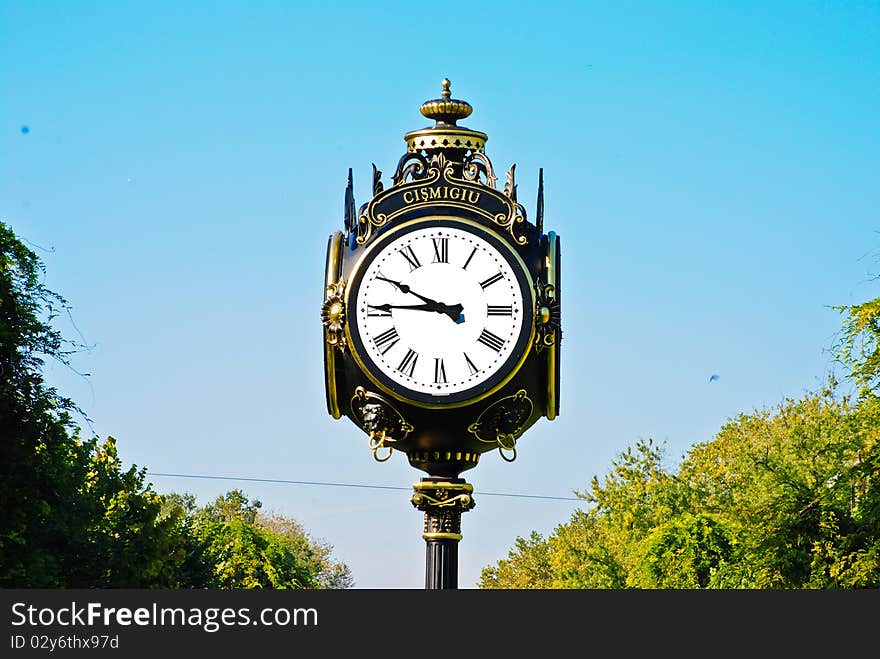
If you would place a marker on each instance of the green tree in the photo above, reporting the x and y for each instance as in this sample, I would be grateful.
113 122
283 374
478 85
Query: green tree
70 515
780 498
858 344
316 555
689 551
527 566
235 546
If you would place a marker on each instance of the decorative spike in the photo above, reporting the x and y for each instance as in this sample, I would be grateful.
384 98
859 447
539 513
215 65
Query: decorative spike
510 186
377 181
539 213
350 214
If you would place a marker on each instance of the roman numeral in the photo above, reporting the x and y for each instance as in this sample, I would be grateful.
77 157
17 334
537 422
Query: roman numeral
493 310
467 263
408 365
411 258
439 371
441 250
491 280
491 341
386 340
472 368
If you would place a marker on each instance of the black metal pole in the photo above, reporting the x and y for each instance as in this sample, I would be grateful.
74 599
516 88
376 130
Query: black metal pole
441 564
443 500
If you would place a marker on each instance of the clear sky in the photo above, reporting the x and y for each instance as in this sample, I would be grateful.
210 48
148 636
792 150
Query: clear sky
711 168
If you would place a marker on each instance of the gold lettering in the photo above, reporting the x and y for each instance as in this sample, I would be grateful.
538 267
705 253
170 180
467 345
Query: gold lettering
441 192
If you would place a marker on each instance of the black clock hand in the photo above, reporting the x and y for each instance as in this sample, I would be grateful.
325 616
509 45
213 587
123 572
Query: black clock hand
453 311
404 288
412 307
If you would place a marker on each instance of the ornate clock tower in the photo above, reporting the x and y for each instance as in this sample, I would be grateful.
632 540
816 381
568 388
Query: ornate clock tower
441 318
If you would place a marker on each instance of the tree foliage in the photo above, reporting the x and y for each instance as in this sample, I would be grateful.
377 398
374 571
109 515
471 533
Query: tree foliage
780 498
72 516
236 546
858 344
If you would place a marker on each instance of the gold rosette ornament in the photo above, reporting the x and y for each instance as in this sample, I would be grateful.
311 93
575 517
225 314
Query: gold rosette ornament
333 315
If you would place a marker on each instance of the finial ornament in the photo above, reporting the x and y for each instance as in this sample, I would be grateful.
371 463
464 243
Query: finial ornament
446 110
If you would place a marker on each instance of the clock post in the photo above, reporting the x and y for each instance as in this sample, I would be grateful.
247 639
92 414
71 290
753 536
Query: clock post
442 319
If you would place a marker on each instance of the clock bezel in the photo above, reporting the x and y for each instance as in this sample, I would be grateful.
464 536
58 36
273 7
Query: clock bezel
496 381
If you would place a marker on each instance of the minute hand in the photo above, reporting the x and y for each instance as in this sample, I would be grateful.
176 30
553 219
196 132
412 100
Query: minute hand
453 311
427 306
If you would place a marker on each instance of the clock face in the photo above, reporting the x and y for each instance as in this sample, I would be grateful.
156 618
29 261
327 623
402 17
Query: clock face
440 312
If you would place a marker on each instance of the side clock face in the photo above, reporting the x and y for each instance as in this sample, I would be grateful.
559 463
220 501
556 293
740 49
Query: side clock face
440 312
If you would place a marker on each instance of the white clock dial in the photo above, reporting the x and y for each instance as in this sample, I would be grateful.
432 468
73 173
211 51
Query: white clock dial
442 312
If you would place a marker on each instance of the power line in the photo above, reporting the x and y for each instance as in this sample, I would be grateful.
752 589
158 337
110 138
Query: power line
363 486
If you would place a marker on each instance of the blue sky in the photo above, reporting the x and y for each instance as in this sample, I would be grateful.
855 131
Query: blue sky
711 168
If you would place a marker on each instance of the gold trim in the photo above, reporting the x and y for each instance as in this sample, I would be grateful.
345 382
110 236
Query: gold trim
334 248
448 456
443 485
530 317
442 536
552 361
452 137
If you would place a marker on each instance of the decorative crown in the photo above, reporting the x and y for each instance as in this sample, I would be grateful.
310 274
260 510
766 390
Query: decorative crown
446 110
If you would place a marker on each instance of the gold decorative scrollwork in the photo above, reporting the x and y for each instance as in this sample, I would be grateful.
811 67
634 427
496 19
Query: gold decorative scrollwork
443 503
411 166
547 315
366 222
514 223
333 315
380 420
478 164
421 182
502 422
422 499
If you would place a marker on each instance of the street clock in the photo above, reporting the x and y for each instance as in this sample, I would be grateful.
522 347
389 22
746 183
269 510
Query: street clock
442 310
